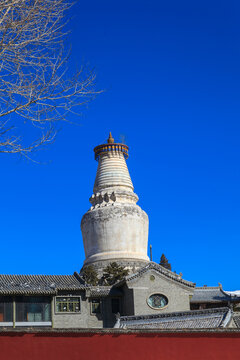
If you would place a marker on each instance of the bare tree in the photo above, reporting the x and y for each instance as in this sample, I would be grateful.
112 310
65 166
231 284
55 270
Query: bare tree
35 90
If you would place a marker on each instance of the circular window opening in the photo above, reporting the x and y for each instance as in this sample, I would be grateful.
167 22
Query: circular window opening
157 301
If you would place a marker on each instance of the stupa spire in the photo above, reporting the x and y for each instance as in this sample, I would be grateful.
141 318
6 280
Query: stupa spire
110 139
112 168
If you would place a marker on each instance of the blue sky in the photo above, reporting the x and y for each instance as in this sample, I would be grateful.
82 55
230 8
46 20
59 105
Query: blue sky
171 75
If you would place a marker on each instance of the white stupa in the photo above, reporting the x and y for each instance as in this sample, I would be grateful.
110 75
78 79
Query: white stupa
114 228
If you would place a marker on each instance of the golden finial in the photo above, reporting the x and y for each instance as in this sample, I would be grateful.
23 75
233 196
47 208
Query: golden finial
110 139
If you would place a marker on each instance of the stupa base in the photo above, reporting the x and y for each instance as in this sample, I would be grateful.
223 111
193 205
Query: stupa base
132 265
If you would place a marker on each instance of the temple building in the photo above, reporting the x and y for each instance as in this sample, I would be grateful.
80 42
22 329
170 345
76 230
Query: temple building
118 286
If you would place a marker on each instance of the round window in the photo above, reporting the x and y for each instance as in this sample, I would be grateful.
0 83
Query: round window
157 301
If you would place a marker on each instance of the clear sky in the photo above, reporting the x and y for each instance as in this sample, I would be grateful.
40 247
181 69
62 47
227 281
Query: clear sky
171 74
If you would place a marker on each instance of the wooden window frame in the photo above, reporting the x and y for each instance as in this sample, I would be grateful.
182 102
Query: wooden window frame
91 309
68 302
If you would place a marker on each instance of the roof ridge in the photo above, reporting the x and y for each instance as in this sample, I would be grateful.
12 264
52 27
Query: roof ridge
207 287
230 294
162 270
79 278
226 319
36 275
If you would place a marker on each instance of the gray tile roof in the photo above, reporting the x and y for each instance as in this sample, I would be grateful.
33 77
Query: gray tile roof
236 320
38 284
102 291
154 266
210 295
195 319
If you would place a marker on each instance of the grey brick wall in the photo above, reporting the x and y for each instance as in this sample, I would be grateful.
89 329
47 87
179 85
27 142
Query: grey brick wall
138 290
83 319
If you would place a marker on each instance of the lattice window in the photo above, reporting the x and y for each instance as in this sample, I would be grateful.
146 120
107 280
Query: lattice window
68 304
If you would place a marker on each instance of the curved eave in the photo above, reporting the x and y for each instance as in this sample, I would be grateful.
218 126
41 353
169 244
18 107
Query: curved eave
162 271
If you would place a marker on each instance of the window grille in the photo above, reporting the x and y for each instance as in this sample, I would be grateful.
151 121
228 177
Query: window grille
68 304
